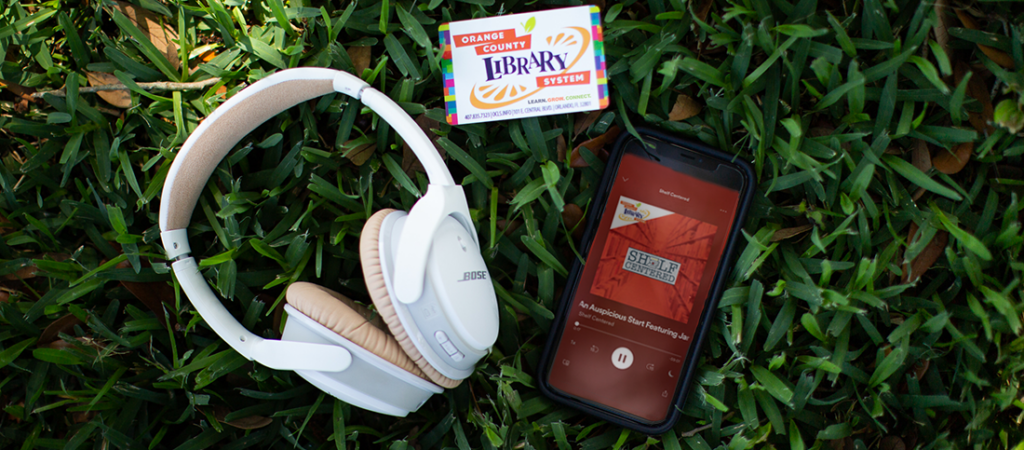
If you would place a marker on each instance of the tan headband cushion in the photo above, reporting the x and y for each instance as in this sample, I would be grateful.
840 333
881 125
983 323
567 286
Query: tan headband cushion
369 255
221 135
351 321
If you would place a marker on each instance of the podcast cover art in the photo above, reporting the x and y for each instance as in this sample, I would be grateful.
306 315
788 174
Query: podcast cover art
653 259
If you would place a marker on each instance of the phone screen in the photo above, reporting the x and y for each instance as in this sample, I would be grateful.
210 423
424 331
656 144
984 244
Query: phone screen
644 286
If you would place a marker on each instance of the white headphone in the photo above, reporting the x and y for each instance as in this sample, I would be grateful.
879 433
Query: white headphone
423 269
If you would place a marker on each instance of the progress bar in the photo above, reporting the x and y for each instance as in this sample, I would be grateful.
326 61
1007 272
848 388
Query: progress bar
627 340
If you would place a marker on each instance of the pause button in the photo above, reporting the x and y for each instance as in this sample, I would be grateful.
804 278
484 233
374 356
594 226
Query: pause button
622 358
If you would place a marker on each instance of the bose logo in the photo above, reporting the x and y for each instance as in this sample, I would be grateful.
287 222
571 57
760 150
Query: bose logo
474 275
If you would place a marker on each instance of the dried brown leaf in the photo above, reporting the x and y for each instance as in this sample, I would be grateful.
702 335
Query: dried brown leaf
360 58
584 121
27 271
684 108
921 368
120 99
245 423
360 154
941 25
976 89
153 294
926 259
787 233
842 444
921 157
572 214
701 8
52 331
892 443
160 33
560 147
950 162
22 93
998 56
82 416
918 194
595 145
410 163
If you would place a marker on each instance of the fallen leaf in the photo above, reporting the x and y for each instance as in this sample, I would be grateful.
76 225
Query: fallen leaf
160 33
921 368
154 294
787 233
701 9
685 108
24 95
245 423
572 214
29 270
52 331
924 260
359 154
560 147
121 98
940 27
5 224
410 163
82 416
998 56
950 162
87 341
507 228
842 444
918 194
920 156
584 121
360 58
976 89
892 443
595 145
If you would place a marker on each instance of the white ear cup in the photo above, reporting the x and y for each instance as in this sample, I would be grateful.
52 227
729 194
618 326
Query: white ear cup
369 382
454 322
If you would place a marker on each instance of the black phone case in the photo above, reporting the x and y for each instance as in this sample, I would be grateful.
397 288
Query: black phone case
593 219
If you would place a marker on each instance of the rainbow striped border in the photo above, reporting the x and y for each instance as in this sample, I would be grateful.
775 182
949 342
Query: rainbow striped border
448 74
599 64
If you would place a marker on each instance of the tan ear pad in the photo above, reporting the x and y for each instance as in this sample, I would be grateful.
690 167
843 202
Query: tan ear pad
351 321
369 255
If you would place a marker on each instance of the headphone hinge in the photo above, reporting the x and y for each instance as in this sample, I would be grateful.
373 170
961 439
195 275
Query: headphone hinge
176 244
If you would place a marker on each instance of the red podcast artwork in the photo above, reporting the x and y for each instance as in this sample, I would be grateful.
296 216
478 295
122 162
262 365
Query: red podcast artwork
653 259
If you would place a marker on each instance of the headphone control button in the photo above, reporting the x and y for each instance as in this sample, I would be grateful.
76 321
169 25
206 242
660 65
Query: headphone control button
457 356
449 348
441 337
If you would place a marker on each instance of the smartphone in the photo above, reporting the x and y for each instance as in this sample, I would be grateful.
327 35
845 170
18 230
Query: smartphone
630 323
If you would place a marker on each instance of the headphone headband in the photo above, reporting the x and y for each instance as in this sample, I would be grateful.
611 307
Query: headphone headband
266 98
228 124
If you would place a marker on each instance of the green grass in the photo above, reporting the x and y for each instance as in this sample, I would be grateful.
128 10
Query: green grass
821 340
